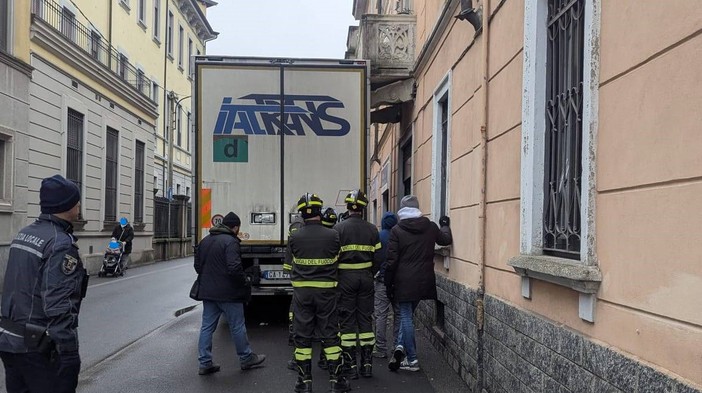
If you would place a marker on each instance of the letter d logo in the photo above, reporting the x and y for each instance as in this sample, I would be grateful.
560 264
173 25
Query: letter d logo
230 148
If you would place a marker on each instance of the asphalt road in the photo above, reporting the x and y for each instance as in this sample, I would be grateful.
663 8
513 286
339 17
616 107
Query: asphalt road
139 334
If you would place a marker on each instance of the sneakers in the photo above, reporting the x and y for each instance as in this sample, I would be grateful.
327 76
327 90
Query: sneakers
252 361
211 369
397 356
409 366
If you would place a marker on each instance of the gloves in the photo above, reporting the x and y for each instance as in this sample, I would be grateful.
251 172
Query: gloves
444 221
69 363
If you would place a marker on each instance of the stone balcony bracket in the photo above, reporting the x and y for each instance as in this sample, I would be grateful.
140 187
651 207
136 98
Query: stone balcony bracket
388 41
585 279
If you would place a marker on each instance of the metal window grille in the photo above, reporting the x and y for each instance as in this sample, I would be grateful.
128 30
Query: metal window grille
444 152
74 148
111 154
563 139
407 167
139 182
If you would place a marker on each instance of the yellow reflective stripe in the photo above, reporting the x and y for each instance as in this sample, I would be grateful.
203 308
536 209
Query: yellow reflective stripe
303 353
314 284
347 344
287 267
378 246
363 336
349 336
310 203
314 261
332 353
357 247
355 266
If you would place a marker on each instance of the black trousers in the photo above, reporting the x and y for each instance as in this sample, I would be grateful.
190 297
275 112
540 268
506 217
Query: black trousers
315 316
35 373
356 302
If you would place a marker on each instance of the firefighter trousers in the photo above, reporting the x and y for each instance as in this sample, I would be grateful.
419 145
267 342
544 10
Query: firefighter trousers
315 316
356 300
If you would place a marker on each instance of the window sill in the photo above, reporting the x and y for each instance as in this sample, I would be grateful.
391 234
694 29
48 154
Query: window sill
142 24
108 226
443 251
79 225
125 6
157 41
139 226
582 278
170 57
6 207
180 68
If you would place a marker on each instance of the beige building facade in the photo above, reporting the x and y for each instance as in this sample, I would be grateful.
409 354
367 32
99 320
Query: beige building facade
91 87
562 138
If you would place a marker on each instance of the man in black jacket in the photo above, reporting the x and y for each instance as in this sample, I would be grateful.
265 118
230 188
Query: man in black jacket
409 272
124 233
223 289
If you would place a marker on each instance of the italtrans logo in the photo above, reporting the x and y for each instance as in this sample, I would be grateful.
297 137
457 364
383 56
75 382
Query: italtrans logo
259 114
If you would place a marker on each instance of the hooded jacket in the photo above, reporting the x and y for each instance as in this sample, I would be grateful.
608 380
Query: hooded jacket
124 234
409 272
218 262
388 221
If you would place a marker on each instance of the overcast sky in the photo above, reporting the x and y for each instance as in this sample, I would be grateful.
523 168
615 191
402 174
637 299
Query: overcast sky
281 28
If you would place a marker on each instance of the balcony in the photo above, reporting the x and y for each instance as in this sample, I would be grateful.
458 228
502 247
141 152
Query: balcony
388 42
56 29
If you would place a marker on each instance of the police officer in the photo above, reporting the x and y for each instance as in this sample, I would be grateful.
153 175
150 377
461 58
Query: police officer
313 253
45 282
357 263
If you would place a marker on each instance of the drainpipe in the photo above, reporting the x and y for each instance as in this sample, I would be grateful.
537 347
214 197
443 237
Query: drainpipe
483 193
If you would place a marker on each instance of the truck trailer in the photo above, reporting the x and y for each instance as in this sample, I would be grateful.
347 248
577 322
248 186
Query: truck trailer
250 162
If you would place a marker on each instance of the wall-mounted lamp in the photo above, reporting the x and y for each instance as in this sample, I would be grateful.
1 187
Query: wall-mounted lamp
472 15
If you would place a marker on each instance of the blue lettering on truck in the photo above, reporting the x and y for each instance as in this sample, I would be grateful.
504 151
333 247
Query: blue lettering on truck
259 114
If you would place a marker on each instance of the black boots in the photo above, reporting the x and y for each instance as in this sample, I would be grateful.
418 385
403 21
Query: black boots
349 365
366 361
337 382
304 378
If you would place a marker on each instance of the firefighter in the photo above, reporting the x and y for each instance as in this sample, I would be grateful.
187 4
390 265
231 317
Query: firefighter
313 254
358 261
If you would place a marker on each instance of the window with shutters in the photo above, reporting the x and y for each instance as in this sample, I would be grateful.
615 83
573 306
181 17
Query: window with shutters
139 166
111 174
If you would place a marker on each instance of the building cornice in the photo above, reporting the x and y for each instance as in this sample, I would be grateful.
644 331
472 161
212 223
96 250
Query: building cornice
197 19
52 41
16 63
430 46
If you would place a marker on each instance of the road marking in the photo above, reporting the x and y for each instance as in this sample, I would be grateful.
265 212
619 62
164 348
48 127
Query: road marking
138 275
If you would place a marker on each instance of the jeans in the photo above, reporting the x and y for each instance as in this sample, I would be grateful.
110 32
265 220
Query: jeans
234 312
381 314
36 373
406 336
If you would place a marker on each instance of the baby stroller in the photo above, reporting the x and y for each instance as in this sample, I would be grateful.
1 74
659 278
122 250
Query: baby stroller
112 262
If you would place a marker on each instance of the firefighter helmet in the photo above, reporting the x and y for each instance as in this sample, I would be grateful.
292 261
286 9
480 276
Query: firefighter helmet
356 200
309 205
329 217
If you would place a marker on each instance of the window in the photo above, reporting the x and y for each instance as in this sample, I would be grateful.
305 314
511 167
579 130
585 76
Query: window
122 66
139 165
6 168
177 189
140 80
74 148
563 137
5 20
403 6
95 45
154 92
180 47
406 167
169 34
386 201
440 148
157 20
68 24
141 11
179 126
187 191
187 132
111 180
190 55
198 52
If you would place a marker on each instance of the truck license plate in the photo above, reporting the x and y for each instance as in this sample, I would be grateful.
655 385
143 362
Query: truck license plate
275 275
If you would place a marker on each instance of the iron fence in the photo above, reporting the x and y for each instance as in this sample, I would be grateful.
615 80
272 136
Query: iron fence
92 43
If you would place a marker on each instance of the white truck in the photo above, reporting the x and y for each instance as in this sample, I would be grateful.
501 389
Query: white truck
250 163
